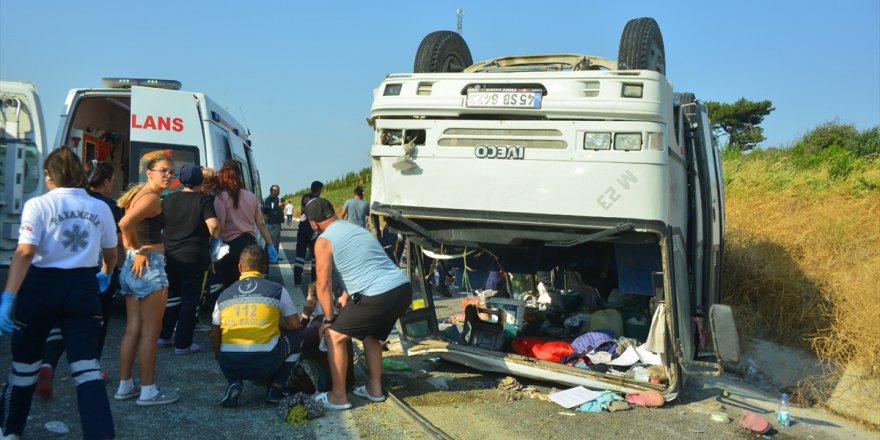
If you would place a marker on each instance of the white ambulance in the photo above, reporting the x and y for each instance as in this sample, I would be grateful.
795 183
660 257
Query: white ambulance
127 123
580 170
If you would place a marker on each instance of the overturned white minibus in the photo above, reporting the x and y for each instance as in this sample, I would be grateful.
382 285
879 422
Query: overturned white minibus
590 173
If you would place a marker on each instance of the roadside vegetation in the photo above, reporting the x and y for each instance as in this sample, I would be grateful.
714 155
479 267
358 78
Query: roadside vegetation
802 254
338 190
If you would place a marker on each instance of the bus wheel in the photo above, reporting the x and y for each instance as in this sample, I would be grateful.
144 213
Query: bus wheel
641 46
442 51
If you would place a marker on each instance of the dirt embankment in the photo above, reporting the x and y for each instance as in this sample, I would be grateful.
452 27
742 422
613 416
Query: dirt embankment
802 257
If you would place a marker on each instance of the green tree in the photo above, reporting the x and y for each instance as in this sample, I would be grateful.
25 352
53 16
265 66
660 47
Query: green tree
740 121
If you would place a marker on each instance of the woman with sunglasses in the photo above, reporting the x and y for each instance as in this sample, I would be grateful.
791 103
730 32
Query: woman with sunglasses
144 284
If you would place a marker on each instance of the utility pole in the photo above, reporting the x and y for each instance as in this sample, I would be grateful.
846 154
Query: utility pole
458 15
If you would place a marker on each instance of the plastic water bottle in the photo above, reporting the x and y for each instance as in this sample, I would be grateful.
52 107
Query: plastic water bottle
323 345
783 415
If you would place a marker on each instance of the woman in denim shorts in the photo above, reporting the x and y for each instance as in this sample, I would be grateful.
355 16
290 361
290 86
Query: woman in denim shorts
144 284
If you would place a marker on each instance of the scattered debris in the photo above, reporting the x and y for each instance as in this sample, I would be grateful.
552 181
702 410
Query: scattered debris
720 417
508 383
394 365
603 402
56 427
618 405
511 387
754 423
299 408
534 393
566 413
705 407
650 399
439 382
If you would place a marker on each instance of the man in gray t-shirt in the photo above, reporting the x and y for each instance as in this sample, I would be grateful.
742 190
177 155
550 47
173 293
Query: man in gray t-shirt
356 210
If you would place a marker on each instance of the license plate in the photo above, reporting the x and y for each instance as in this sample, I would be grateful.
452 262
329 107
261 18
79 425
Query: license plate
525 99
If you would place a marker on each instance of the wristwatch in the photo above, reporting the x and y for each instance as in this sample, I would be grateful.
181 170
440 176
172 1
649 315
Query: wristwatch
140 250
329 321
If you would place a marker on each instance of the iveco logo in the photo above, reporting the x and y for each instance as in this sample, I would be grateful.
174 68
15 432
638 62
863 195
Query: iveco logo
499 152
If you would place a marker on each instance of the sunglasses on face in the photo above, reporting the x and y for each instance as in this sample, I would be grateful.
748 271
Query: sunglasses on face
166 172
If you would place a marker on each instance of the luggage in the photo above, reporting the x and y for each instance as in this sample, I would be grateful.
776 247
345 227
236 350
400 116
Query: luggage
483 334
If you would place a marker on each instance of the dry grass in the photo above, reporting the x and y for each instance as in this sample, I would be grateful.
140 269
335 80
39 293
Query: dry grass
802 263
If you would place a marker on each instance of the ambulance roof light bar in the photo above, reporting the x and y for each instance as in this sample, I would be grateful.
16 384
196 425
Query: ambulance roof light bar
126 83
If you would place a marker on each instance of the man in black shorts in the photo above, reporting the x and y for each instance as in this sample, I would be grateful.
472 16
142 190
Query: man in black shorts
376 294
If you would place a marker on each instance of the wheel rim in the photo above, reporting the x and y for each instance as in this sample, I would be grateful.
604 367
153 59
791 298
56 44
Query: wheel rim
452 64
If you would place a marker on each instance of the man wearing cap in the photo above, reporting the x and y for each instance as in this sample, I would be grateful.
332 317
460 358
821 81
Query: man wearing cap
376 293
273 215
190 225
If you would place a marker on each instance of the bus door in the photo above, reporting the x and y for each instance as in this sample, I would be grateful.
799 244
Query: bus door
420 320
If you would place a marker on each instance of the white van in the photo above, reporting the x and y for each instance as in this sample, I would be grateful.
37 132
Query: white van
22 148
590 175
127 122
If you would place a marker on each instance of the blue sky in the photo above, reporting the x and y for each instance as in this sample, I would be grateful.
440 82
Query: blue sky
303 72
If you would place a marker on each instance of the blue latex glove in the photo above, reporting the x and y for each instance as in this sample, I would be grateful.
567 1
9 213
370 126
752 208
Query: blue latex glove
7 325
273 254
103 281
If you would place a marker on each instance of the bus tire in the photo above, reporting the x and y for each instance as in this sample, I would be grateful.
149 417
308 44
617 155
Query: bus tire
442 51
641 46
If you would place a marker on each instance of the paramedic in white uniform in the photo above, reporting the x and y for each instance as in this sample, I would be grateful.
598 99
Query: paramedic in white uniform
52 279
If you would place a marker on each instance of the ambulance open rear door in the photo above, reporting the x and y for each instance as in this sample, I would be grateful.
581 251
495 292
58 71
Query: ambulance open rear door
164 123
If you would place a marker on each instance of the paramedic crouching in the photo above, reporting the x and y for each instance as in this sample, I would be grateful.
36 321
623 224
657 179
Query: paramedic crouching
256 331
376 294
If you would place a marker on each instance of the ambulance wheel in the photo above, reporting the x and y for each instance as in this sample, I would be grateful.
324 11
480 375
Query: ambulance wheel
641 46
442 51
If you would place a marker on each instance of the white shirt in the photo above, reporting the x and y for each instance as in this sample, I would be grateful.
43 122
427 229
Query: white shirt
288 210
69 228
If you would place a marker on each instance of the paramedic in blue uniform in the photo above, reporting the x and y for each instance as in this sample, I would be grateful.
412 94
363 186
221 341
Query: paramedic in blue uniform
304 235
376 293
52 279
